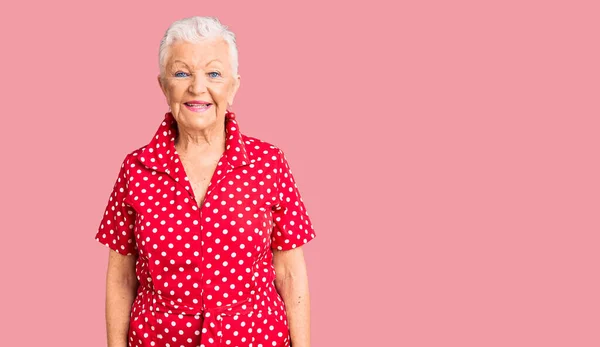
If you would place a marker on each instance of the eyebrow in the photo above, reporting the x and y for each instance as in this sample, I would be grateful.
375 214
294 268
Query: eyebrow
184 63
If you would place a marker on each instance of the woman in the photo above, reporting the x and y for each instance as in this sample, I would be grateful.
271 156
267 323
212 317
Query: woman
204 223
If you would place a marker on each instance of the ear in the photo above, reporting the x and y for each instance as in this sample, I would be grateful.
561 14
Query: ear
160 84
236 86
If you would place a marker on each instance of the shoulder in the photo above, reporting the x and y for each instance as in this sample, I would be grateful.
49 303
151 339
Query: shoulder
134 154
131 156
130 159
132 170
258 148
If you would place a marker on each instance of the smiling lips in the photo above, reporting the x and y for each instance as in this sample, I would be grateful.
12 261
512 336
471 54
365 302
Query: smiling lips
197 106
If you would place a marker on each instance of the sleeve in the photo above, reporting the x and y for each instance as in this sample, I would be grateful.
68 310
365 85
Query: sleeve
292 225
117 224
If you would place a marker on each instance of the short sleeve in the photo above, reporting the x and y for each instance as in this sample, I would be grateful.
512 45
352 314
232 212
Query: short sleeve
292 225
118 222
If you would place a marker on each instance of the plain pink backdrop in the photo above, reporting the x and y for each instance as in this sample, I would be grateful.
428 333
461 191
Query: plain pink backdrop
446 151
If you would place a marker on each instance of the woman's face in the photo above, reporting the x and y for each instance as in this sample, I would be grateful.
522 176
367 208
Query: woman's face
198 82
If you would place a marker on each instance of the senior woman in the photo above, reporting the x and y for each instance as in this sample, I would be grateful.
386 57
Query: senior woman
205 224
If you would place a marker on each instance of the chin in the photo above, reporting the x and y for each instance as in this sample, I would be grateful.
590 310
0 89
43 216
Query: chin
200 119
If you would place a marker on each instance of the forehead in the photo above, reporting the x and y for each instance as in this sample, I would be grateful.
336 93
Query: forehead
199 54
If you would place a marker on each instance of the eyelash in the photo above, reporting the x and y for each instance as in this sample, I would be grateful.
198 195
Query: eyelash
212 72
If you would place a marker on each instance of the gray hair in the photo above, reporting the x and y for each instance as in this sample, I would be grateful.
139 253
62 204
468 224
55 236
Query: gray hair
194 30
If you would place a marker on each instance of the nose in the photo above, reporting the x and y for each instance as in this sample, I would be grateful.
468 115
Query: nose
198 84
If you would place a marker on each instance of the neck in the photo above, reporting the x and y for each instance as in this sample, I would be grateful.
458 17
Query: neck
204 143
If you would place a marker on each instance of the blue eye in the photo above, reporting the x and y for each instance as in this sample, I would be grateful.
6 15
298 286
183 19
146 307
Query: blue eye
218 74
179 74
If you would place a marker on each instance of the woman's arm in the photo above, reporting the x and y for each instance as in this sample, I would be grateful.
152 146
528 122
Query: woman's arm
292 284
121 287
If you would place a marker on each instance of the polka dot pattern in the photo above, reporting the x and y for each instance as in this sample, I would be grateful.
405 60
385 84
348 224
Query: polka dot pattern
206 273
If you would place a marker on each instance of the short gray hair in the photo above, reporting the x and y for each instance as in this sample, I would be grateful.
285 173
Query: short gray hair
194 30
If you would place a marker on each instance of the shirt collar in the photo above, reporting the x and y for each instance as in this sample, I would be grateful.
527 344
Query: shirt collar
160 154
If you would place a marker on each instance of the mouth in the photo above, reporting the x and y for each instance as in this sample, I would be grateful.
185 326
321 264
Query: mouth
197 106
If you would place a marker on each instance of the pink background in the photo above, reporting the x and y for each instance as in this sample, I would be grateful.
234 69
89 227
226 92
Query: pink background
447 152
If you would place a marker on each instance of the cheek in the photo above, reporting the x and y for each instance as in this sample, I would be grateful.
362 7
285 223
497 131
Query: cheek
219 93
175 91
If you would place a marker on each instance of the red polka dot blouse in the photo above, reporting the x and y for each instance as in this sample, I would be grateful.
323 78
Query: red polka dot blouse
205 273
